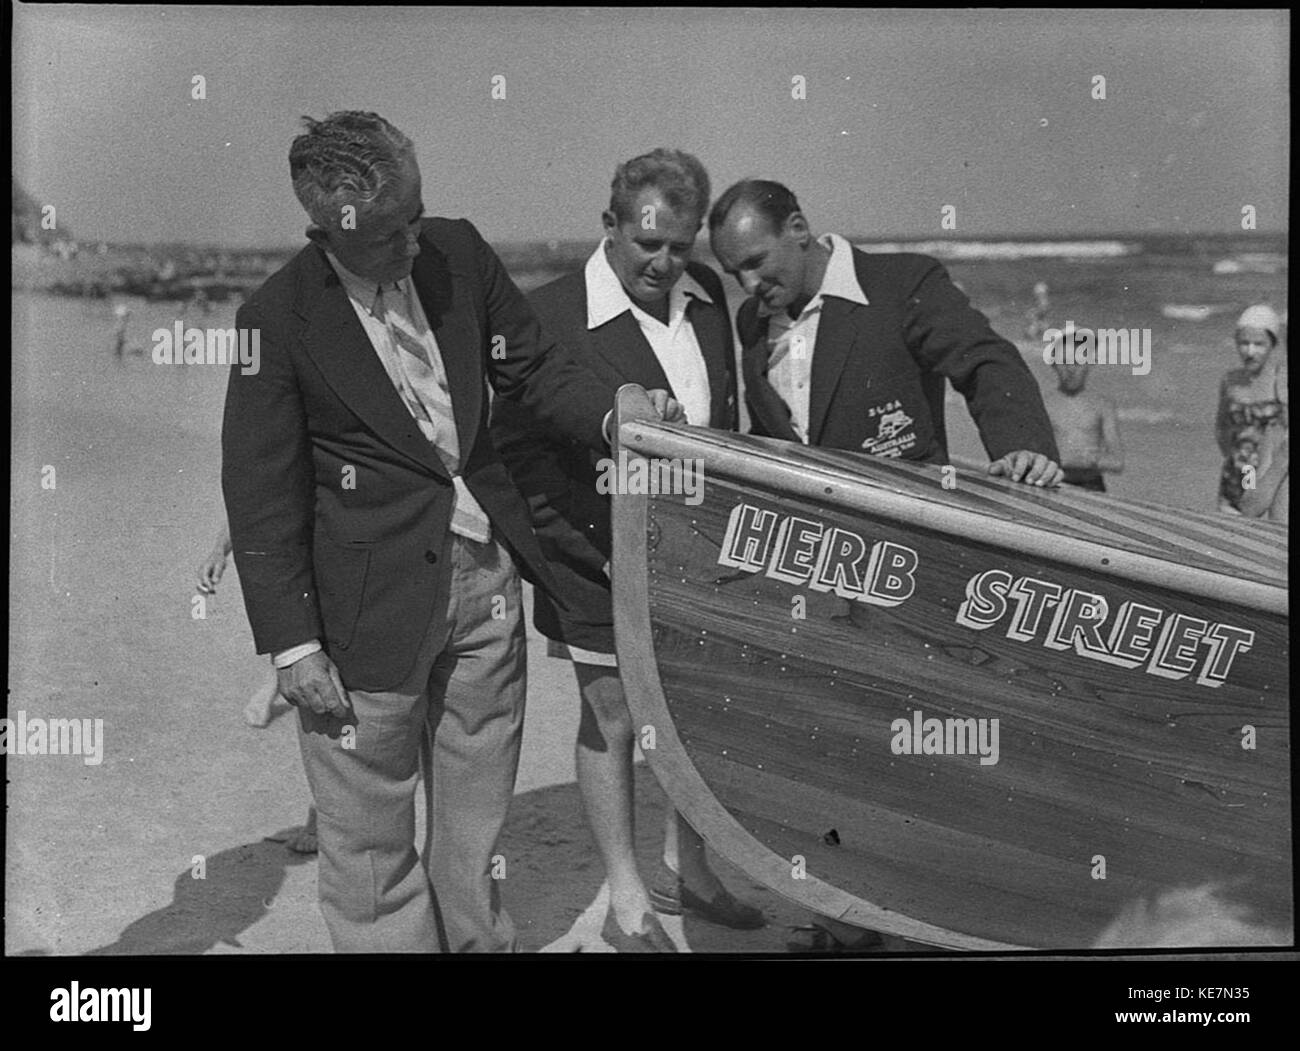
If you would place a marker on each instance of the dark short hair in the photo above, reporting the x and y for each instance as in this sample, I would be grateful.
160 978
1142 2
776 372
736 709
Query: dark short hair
678 175
769 199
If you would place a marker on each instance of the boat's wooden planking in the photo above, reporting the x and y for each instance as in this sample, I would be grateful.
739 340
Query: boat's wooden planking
774 706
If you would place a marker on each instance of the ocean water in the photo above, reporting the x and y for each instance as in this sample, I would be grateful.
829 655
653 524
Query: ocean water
66 382
1166 416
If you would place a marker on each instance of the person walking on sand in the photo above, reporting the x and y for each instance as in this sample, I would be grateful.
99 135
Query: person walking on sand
122 313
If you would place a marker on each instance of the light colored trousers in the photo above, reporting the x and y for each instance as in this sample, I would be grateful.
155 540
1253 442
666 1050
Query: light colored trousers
458 718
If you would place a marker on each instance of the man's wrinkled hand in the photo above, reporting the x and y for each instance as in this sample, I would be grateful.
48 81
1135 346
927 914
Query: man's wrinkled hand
668 407
313 683
1030 468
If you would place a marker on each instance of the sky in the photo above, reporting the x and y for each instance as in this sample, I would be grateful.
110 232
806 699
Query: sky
990 113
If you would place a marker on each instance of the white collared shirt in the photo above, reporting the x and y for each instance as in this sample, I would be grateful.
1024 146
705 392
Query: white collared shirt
361 294
674 344
791 343
423 398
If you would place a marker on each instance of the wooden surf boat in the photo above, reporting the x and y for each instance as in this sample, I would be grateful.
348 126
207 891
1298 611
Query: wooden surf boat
963 711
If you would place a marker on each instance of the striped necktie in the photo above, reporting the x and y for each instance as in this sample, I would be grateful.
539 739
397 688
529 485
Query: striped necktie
423 387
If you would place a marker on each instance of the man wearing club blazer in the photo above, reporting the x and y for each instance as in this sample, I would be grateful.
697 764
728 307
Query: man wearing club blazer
845 349
638 312
376 533
850 350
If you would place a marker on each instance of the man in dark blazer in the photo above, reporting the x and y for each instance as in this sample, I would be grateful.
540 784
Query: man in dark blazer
848 350
638 312
376 532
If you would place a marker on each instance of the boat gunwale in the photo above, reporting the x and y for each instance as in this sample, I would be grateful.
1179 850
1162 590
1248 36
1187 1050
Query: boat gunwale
764 467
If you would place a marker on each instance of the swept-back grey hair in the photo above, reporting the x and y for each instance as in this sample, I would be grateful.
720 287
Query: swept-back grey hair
679 176
350 157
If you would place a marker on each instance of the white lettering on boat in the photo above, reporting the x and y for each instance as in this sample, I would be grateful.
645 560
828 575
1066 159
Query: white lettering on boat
824 558
1166 642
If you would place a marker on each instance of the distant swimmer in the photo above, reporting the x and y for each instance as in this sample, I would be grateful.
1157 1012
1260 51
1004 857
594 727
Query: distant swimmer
1038 312
1252 402
1086 427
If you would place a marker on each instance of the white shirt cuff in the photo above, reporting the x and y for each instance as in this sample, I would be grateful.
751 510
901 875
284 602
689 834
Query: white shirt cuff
296 653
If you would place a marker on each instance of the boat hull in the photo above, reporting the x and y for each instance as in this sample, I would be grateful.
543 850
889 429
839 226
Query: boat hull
911 729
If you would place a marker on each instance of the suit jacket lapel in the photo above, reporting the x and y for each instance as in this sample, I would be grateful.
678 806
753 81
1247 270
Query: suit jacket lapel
837 334
623 345
336 342
457 336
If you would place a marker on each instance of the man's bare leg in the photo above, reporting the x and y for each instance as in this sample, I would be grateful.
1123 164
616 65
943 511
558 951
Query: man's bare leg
604 761
684 855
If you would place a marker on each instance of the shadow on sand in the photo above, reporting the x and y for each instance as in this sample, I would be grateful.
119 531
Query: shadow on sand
239 889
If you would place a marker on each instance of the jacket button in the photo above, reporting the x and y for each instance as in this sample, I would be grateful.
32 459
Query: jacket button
430 557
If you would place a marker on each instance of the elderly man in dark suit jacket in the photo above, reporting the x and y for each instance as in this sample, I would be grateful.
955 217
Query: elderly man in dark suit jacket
376 532
849 350
638 312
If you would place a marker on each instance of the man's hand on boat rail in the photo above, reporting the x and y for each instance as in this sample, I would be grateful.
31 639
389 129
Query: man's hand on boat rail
668 408
1031 468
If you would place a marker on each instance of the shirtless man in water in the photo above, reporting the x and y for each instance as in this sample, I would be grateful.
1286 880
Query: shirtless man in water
1086 427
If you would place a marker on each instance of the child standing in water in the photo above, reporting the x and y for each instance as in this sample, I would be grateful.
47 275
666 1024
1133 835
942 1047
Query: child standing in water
266 703
1086 427
1252 401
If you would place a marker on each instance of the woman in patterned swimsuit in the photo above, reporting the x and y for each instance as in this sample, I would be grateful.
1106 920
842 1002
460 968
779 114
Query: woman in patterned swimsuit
1252 399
